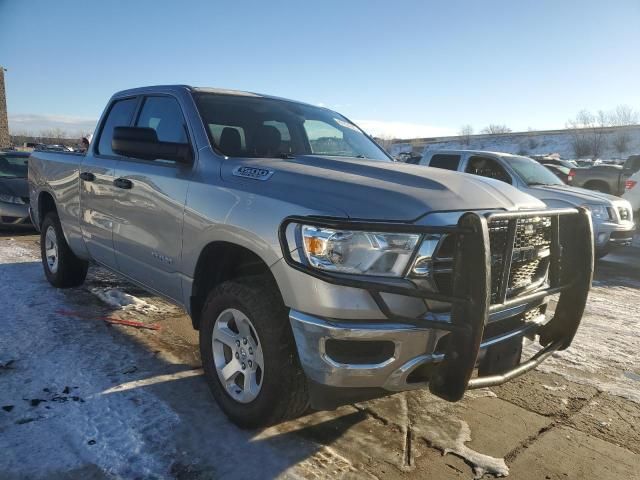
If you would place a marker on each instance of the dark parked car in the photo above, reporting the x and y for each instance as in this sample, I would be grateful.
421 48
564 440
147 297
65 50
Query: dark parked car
14 190
560 171
604 177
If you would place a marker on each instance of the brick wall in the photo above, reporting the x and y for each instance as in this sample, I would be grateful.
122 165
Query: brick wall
4 121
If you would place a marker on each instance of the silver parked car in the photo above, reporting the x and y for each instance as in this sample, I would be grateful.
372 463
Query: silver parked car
612 216
315 268
14 190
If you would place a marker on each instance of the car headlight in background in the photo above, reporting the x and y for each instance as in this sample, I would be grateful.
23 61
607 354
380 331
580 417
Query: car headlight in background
11 199
601 212
356 252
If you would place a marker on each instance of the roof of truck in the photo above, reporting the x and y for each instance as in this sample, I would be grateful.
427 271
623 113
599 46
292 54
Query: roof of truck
217 91
474 152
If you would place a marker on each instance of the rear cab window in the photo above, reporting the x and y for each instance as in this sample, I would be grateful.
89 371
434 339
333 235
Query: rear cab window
487 167
445 161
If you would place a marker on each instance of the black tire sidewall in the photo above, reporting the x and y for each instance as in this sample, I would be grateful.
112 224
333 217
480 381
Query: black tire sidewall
270 321
71 270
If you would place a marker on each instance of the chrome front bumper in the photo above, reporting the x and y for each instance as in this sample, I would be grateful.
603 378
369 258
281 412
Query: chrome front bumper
613 234
414 347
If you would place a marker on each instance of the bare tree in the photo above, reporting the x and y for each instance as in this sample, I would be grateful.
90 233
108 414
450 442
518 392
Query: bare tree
623 116
588 132
465 132
494 129
385 141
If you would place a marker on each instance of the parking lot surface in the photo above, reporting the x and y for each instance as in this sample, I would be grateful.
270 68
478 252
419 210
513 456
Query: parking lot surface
104 381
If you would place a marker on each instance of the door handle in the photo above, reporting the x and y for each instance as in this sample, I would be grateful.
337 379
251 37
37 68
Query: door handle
87 176
123 183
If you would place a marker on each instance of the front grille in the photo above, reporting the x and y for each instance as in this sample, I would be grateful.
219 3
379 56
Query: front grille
624 213
528 265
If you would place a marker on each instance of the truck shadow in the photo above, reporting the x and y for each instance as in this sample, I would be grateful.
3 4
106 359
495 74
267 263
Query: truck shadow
124 386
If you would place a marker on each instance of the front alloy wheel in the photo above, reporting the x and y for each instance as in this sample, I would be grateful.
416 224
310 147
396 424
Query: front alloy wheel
249 355
237 355
51 249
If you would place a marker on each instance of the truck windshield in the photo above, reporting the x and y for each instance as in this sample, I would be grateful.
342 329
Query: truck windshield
13 166
253 126
531 172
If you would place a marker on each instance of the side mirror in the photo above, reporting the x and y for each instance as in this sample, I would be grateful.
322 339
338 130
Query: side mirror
142 142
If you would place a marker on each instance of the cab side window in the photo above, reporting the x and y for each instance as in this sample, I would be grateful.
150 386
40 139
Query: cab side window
445 161
487 167
119 115
163 114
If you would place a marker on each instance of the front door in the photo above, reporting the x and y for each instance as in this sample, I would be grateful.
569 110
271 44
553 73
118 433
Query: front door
150 204
97 172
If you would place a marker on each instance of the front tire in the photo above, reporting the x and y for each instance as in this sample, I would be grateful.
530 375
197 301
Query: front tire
249 354
61 266
602 252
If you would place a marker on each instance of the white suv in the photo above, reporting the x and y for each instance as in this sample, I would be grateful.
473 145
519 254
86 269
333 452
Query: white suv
632 192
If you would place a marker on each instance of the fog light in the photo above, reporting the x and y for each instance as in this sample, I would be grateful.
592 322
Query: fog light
602 238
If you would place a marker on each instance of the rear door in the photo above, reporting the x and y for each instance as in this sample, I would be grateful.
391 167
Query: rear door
148 232
446 161
97 172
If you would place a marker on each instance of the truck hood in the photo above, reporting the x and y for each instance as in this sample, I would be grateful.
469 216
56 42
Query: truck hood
572 195
377 190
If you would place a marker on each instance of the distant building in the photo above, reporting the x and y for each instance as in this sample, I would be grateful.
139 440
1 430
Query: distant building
5 141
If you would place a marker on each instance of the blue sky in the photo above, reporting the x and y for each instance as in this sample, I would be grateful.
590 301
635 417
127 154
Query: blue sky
414 67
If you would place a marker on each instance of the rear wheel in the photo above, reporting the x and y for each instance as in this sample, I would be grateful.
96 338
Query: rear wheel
249 355
61 266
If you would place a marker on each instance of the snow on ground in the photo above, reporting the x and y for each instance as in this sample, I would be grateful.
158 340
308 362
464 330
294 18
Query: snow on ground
85 399
605 352
120 300
532 143
81 398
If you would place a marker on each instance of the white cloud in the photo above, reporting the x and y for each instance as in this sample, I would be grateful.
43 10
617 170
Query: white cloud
36 123
382 129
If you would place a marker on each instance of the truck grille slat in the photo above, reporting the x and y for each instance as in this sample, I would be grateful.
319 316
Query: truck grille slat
528 266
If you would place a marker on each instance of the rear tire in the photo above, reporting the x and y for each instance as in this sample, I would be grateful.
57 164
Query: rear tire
278 390
61 266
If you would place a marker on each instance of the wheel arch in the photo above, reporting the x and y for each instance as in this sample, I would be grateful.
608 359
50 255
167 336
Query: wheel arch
594 184
46 204
218 262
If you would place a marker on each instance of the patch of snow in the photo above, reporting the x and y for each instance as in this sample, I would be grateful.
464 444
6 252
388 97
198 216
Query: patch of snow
454 442
533 143
12 252
607 343
555 388
120 300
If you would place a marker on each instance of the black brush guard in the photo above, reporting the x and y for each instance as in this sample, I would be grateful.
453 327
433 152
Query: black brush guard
570 275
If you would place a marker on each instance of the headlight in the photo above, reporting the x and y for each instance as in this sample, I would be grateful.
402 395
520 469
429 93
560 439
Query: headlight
364 253
11 199
601 212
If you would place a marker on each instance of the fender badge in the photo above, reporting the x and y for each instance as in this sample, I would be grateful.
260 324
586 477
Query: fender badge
253 173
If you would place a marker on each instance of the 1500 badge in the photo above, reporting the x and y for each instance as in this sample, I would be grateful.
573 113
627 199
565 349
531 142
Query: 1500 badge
253 173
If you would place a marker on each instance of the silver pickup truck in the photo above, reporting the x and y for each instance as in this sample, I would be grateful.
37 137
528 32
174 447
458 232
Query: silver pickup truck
316 270
612 216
